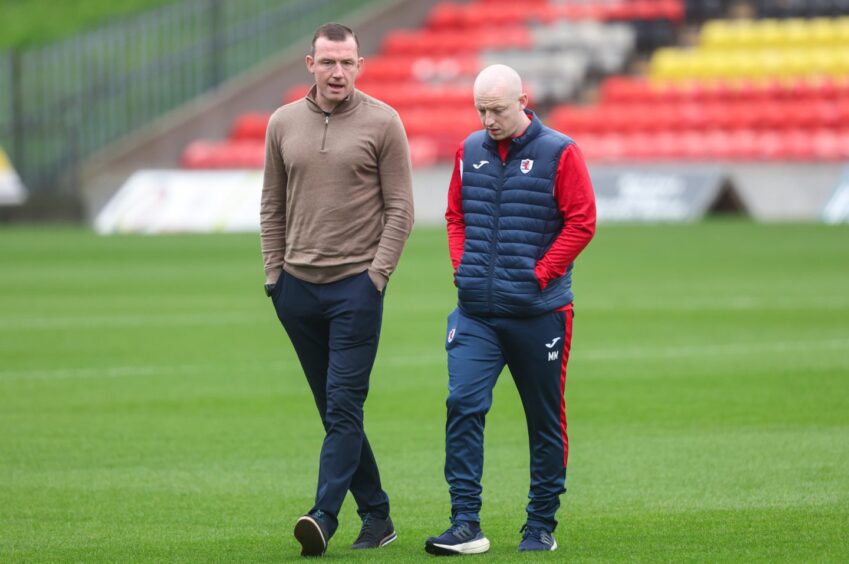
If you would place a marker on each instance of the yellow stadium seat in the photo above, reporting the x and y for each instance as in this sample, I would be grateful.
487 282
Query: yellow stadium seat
797 33
774 63
841 31
666 63
771 33
795 63
710 64
823 32
716 34
750 35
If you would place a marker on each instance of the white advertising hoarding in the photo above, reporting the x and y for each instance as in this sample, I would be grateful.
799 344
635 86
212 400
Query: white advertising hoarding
655 195
12 191
836 210
181 201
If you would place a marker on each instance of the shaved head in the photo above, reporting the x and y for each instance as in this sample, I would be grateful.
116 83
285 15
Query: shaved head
498 80
500 102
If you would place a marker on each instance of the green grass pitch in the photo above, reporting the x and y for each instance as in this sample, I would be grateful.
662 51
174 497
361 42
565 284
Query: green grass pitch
152 409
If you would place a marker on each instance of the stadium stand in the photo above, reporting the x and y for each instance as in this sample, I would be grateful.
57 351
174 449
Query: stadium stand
750 90
426 74
747 90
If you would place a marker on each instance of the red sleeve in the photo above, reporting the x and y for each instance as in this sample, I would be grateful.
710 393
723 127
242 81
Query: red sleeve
454 213
573 191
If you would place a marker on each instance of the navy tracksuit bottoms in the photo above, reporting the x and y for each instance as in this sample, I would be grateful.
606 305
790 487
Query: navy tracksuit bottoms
335 329
536 349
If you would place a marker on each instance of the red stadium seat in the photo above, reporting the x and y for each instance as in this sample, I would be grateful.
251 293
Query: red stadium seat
622 89
393 68
667 145
692 145
447 15
744 145
296 92
250 126
224 155
798 144
424 151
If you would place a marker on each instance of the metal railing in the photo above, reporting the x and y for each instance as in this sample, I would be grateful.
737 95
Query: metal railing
61 102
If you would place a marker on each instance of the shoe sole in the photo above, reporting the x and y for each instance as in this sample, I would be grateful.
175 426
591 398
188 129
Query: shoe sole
383 542
309 534
388 539
474 547
552 549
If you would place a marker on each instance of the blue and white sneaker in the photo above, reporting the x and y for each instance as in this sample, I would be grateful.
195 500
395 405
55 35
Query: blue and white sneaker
465 537
536 539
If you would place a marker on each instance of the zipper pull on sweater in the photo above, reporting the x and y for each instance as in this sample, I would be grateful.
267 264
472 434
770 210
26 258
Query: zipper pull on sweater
326 123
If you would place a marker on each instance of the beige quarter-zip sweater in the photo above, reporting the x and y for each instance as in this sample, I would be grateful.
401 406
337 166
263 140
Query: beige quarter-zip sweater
337 190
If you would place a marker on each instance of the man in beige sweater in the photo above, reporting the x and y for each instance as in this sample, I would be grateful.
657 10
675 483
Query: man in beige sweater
336 210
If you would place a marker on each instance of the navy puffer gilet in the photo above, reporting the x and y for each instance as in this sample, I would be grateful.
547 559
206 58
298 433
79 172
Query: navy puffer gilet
511 220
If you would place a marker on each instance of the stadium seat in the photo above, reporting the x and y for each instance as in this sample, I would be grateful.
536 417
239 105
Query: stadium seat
249 126
424 151
296 93
224 155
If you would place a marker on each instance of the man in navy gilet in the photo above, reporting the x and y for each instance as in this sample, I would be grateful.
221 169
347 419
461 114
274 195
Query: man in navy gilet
520 210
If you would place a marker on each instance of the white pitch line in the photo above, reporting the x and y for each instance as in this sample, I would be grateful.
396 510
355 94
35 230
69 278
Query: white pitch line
713 349
663 304
105 372
127 371
101 321
126 321
437 359
648 353
720 303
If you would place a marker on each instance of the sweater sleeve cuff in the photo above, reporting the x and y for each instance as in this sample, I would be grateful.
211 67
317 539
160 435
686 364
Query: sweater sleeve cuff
378 279
273 273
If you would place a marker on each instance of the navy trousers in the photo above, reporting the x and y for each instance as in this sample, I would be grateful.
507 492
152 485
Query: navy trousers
536 349
335 329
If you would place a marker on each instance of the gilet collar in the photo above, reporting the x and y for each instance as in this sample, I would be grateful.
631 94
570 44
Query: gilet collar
530 133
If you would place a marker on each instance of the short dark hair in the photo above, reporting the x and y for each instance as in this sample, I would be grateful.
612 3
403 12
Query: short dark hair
334 32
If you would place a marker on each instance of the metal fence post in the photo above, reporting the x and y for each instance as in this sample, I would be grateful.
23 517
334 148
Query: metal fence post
215 43
17 117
